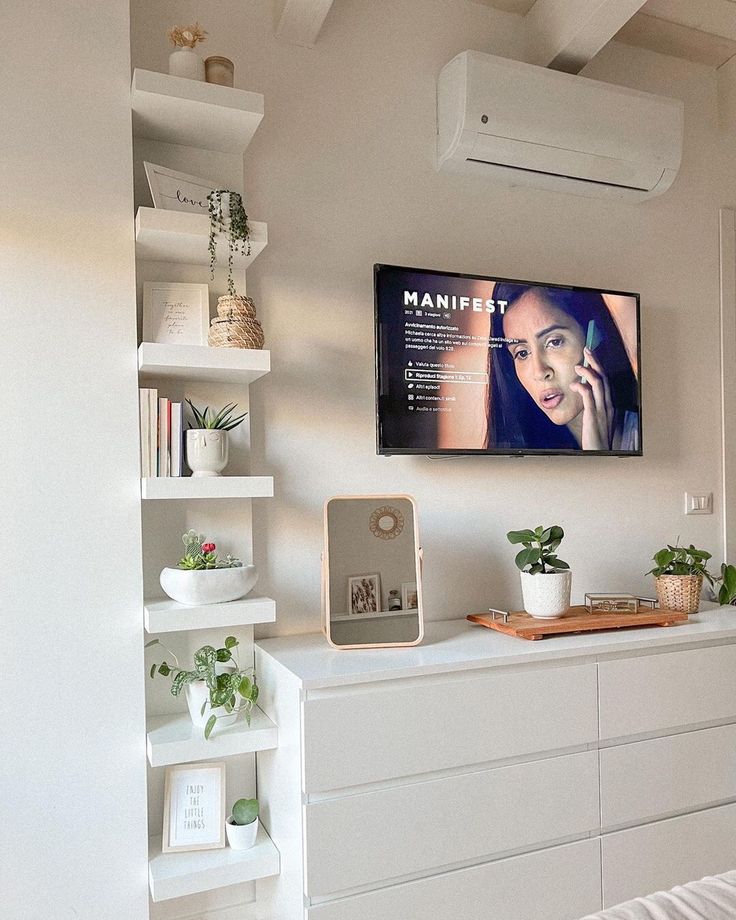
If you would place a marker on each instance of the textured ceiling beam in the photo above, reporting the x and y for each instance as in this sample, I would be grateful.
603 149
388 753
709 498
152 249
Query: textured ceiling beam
299 21
566 34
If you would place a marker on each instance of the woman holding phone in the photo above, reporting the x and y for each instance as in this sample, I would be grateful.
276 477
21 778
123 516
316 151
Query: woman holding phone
560 374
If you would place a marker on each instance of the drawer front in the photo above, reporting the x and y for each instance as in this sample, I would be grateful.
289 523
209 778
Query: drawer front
562 883
383 835
643 860
381 732
658 692
649 779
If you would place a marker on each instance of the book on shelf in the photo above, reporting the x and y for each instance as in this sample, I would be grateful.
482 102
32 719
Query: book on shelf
161 435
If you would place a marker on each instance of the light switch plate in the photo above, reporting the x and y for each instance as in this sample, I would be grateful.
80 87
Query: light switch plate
698 503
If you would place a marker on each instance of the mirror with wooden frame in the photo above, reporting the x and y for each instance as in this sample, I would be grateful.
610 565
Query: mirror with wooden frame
371 575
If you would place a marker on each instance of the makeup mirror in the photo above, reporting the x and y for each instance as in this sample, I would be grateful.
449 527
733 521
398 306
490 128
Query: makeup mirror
371 572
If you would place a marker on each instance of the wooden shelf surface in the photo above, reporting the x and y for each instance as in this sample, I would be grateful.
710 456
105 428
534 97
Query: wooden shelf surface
162 615
200 362
196 114
174 875
175 738
180 236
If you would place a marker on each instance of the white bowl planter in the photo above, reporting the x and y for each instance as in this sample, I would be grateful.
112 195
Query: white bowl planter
546 596
208 586
198 696
241 836
207 451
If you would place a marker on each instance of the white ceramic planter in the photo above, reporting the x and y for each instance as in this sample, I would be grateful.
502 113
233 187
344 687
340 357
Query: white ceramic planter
207 451
208 586
185 62
197 695
241 836
546 596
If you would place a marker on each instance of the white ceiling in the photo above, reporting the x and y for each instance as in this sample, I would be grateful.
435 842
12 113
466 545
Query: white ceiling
703 31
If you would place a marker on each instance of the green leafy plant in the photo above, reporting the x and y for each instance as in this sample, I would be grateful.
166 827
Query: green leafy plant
681 560
234 690
538 556
245 811
727 592
235 228
199 554
222 420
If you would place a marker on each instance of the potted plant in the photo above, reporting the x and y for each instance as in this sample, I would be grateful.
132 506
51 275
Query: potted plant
217 688
241 826
207 444
184 60
678 576
202 577
545 579
227 219
727 591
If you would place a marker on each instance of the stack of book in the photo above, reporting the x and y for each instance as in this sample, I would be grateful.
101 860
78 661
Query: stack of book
162 435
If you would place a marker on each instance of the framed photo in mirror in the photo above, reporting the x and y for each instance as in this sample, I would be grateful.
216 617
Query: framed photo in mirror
364 594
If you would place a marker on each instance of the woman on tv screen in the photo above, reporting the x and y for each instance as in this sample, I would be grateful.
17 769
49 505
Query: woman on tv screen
561 377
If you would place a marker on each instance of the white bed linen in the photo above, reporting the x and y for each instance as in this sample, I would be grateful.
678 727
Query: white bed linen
712 898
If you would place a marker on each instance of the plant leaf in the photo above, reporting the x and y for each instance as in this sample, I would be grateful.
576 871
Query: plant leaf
211 722
520 536
231 642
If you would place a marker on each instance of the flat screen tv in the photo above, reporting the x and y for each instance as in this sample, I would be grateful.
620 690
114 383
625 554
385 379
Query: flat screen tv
481 365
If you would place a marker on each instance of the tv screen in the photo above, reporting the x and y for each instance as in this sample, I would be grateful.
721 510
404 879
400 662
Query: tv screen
481 365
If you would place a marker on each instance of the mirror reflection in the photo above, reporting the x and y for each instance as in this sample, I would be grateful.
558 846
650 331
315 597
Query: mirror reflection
373 575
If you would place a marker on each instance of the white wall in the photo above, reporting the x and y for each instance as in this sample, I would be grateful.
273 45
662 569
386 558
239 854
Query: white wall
342 168
73 804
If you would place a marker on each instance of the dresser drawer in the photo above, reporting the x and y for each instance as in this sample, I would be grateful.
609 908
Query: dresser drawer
643 860
382 731
381 836
656 692
562 883
649 779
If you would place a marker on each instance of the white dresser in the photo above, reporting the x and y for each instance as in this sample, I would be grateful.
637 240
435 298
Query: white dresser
483 777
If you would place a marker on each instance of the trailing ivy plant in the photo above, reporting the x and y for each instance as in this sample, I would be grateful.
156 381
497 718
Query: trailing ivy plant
235 228
539 554
222 420
235 690
727 592
681 560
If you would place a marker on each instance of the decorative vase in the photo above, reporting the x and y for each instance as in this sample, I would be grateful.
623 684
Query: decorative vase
185 62
208 586
198 701
241 836
235 325
679 592
546 596
207 451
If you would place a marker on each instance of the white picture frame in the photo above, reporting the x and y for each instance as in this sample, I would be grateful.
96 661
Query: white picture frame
409 596
364 594
194 807
176 191
175 313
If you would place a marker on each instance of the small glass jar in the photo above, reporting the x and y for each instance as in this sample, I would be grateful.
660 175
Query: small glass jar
394 600
220 70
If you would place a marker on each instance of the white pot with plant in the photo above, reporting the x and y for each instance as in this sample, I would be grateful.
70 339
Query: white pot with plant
184 60
202 577
241 826
678 577
217 689
546 581
207 444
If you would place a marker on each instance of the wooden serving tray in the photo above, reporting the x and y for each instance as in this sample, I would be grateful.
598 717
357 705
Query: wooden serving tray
576 620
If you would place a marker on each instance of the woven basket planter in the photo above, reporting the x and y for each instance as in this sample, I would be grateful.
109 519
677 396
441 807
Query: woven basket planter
235 325
235 306
679 592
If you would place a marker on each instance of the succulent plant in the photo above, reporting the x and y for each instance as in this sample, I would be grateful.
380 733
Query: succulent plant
222 420
245 811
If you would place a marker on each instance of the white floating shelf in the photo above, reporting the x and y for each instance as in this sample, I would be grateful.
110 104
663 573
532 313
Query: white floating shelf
196 114
200 362
173 875
175 739
180 236
164 615
381 615
184 487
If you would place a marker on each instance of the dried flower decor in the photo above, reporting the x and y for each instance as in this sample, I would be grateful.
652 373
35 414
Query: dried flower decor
187 36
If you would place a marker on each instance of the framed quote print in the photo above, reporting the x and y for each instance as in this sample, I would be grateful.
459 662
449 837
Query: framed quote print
194 807
175 313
